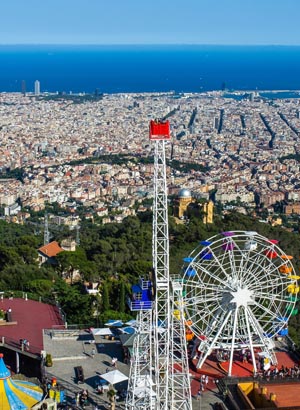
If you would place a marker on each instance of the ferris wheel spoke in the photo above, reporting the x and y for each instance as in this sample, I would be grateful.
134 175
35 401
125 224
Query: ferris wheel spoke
218 320
200 313
218 263
199 284
209 274
267 280
259 272
244 260
269 290
267 311
200 302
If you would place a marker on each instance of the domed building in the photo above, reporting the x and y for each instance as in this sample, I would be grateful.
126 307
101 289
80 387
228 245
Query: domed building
184 198
185 205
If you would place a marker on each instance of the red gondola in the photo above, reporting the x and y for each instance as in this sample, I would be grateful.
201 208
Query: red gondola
159 130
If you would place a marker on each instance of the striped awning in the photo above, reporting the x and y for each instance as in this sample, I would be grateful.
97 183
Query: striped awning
17 394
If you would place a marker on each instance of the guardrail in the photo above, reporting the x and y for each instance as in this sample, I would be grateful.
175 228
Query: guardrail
136 305
31 296
17 345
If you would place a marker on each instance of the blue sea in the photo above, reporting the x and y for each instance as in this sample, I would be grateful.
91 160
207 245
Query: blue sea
126 69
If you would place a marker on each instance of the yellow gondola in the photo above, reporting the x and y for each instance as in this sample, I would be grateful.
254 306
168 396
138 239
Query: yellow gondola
293 289
176 313
294 277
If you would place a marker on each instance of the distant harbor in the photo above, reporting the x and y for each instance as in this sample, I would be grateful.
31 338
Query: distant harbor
268 94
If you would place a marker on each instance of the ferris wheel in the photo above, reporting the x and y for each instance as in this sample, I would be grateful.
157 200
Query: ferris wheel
239 291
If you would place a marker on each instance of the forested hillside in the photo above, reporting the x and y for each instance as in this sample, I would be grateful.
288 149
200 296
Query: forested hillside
114 255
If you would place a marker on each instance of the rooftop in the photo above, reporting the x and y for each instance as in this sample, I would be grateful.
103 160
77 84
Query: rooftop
51 249
29 318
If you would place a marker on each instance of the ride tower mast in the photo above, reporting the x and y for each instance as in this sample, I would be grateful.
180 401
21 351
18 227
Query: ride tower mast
171 370
160 135
140 395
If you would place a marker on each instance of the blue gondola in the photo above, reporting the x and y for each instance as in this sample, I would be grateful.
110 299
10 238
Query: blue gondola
205 254
283 332
190 272
205 243
142 297
188 259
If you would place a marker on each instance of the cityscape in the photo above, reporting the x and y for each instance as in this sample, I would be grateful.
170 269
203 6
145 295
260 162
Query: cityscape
235 150
244 149
149 205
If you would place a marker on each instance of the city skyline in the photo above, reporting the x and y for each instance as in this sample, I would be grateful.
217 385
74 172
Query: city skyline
230 22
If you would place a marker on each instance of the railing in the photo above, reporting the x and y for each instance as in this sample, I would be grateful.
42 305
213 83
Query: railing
32 296
145 284
16 344
63 333
139 305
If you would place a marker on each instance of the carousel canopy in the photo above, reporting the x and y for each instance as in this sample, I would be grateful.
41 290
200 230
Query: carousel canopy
17 394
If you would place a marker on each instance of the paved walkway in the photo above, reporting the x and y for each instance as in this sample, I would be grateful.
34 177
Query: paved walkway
72 351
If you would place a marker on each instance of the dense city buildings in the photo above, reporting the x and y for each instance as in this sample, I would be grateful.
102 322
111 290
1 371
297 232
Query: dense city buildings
247 146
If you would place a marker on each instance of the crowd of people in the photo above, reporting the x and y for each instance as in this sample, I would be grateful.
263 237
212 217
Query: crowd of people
82 398
282 372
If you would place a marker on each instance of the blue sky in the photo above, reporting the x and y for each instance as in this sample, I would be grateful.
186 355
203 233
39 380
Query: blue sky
150 22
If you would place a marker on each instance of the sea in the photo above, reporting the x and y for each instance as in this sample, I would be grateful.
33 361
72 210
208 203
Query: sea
150 68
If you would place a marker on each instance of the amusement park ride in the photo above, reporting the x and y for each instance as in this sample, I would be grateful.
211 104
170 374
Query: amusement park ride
237 291
159 375
240 290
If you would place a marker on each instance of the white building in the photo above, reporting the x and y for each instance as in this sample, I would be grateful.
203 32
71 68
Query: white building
37 87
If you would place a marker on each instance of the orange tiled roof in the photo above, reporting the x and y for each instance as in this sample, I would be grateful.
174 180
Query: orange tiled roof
51 249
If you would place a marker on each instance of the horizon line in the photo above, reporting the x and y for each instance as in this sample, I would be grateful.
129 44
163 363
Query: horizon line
153 44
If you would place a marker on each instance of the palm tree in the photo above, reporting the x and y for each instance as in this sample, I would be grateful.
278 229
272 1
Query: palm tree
111 394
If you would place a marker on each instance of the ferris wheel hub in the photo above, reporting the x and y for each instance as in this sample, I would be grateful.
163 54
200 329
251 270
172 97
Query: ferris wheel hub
242 297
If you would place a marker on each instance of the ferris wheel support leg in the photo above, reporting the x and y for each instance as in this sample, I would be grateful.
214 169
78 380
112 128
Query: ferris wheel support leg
268 345
207 353
233 342
250 343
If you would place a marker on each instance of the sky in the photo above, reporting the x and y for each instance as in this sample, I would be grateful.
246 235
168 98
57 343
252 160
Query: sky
245 22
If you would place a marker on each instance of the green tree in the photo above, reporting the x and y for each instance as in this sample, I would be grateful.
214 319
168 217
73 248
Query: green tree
69 262
40 287
8 257
122 297
76 304
28 254
105 297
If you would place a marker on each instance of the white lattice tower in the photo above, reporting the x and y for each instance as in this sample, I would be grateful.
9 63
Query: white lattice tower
180 383
159 133
161 314
140 393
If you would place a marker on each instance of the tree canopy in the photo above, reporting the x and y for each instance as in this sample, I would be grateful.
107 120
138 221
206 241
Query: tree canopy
115 256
